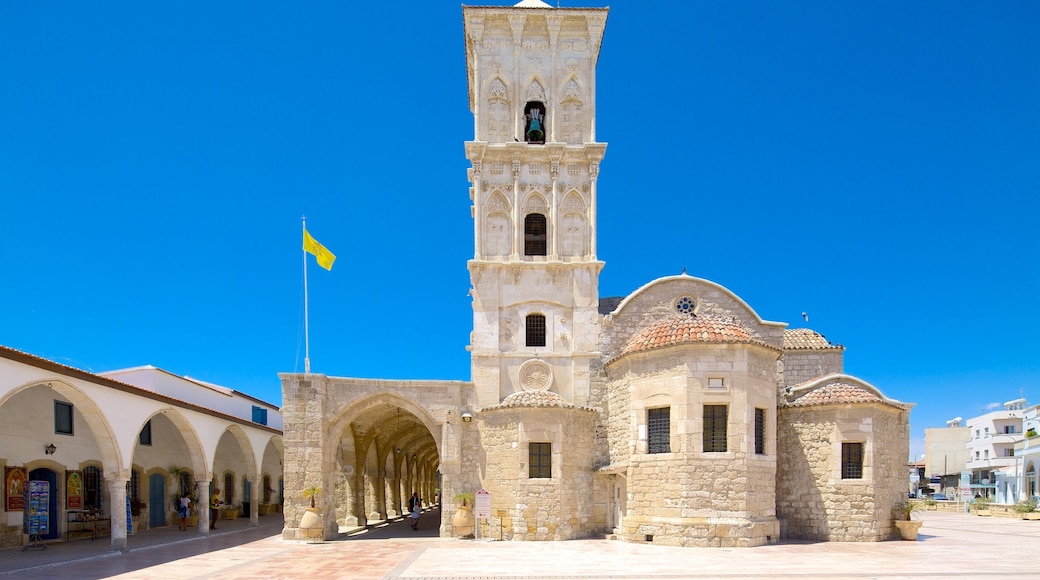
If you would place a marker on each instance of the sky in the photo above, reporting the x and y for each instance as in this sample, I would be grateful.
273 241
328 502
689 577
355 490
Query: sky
873 164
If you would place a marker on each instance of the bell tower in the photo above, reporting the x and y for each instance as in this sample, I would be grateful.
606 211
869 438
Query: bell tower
535 162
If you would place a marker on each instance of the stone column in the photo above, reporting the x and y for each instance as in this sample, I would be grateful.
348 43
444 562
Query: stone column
380 483
117 497
254 501
203 505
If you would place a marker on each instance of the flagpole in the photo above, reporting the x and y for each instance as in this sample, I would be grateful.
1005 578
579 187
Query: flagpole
306 324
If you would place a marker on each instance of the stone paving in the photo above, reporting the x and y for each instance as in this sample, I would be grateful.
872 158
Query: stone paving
950 546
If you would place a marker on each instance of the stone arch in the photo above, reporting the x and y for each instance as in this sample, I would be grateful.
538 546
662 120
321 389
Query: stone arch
535 89
497 235
573 226
571 115
188 434
499 111
365 436
100 427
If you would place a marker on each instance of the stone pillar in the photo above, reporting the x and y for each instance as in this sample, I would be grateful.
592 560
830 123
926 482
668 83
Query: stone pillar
380 483
117 497
254 501
203 505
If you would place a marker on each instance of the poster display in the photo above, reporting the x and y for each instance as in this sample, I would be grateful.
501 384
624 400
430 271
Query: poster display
74 490
36 520
14 489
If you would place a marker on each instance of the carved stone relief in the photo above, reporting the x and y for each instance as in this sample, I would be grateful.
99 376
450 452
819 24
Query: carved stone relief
535 375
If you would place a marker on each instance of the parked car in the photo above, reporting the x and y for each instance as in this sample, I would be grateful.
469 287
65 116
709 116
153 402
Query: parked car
940 497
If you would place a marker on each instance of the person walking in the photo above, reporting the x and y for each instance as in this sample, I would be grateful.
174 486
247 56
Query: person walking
414 509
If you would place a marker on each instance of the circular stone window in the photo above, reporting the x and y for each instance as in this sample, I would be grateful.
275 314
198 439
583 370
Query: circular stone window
685 305
535 375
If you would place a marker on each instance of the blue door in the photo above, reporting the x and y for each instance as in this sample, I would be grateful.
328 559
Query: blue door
44 474
156 500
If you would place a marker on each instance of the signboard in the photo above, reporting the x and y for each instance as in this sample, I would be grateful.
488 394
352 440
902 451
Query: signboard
14 488
74 490
482 509
36 519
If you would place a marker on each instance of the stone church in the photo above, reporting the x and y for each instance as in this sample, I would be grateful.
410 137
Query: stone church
673 415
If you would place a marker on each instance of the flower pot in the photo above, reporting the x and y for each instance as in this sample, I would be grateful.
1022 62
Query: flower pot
463 521
311 526
908 529
983 513
1031 516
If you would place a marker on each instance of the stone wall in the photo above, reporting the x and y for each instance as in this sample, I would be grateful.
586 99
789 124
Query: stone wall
799 366
557 508
813 501
689 497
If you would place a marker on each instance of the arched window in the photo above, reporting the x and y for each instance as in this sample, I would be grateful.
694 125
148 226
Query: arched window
534 122
535 330
534 235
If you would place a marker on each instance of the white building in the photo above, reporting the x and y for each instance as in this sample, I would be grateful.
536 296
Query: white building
1027 453
991 449
128 441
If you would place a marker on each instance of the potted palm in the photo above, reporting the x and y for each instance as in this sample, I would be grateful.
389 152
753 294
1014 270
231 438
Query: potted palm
908 527
311 525
463 522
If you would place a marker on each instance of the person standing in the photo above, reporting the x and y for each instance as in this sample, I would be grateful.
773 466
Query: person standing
214 508
185 505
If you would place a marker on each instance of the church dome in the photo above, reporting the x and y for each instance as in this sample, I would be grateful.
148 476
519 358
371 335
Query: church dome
683 329
806 339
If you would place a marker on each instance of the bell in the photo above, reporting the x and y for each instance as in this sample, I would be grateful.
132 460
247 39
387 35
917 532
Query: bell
535 133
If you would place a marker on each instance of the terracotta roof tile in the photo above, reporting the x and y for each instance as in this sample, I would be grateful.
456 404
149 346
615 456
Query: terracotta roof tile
683 329
836 394
534 399
806 339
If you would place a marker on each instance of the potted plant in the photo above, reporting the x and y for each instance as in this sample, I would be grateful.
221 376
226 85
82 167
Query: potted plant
982 506
908 526
931 505
1031 432
463 522
311 525
1028 509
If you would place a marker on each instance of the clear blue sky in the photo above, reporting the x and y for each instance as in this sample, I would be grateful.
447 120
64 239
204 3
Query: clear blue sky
875 164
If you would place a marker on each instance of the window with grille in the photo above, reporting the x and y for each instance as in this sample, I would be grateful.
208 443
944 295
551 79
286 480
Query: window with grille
540 460
852 461
715 428
92 488
658 425
535 330
63 418
145 437
760 431
229 488
534 235
134 485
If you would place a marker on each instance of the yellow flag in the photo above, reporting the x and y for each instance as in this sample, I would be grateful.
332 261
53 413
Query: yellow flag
311 246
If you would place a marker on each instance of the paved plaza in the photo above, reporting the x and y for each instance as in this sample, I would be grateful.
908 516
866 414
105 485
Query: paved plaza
950 546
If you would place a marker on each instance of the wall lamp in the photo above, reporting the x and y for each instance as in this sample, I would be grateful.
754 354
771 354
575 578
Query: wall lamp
50 449
467 416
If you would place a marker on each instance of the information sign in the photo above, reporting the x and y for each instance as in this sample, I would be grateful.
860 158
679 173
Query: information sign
482 509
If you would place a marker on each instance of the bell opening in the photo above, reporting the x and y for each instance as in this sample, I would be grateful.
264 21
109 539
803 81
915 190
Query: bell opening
534 122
